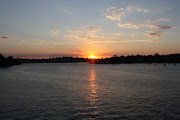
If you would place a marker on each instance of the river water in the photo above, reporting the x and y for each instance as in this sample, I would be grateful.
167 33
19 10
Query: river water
65 91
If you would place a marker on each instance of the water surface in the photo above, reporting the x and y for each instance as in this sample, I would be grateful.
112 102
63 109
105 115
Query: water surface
85 91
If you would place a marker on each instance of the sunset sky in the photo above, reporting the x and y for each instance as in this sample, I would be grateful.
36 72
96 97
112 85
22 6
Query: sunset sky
81 28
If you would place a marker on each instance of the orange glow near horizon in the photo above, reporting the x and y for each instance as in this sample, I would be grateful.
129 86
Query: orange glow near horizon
94 52
92 57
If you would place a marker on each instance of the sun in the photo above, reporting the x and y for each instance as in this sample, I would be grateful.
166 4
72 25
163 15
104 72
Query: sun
92 57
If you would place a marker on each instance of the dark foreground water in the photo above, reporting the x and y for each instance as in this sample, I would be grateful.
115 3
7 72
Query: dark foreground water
85 91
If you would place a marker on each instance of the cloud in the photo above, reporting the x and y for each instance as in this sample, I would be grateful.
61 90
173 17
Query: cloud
136 9
155 33
81 36
85 33
66 11
160 20
131 25
88 37
98 40
115 13
159 23
93 29
134 40
129 8
55 32
86 29
161 26
62 43
5 37
136 34
118 34
143 10
111 8
75 31
137 26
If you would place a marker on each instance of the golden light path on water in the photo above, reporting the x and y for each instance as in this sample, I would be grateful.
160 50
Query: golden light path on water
91 97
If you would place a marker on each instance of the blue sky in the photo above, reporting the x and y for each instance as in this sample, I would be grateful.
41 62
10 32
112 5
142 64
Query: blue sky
50 28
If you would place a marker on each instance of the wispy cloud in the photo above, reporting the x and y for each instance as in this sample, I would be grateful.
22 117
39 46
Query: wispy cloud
135 40
5 37
161 26
55 32
96 38
131 25
86 29
115 13
85 37
66 11
63 43
93 29
147 24
111 8
136 9
86 33
118 34
75 31
99 40
160 20
143 10
155 33
133 34
88 37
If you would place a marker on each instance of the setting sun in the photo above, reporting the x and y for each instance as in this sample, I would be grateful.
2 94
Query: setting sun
92 57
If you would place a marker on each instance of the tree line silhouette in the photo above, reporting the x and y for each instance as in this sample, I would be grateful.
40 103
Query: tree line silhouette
9 61
156 58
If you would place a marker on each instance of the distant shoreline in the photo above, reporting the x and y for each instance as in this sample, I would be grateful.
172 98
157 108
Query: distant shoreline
156 58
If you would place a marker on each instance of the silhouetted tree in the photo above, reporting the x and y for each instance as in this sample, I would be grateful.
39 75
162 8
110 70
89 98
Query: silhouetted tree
115 56
157 54
10 58
1 56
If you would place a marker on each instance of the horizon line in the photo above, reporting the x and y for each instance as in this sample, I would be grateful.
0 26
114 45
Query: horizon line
61 56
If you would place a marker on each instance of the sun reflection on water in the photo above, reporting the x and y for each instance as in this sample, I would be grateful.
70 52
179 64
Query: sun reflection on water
90 110
93 87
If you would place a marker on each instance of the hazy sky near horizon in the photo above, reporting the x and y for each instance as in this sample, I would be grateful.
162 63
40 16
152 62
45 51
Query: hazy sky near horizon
50 28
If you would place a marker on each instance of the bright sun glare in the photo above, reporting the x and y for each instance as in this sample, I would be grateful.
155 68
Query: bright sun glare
92 56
